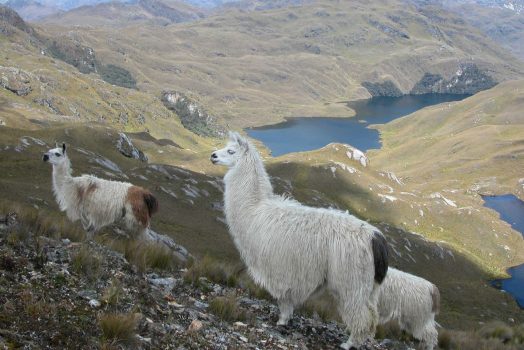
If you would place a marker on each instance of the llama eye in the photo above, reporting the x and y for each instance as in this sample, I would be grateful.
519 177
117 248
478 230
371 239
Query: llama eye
57 154
230 151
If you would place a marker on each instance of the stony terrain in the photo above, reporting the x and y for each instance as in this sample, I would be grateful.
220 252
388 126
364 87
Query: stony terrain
59 294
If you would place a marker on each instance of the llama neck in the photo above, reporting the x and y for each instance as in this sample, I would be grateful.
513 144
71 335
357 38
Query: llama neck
62 177
246 185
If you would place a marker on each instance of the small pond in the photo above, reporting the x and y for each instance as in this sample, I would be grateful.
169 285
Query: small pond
306 134
511 210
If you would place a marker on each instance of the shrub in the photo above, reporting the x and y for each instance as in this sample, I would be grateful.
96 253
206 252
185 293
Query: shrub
117 76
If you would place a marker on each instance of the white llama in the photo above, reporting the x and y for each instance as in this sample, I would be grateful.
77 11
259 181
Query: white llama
293 250
413 302
98 202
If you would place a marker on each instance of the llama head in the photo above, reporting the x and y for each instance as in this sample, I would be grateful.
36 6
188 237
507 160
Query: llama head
236 148
56 155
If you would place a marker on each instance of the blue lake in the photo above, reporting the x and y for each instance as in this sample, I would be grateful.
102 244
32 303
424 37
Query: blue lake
511 210
306 134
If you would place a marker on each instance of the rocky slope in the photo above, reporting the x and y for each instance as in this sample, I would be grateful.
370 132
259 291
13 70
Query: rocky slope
56 296
502 21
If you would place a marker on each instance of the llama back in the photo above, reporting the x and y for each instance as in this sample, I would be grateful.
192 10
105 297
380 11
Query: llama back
406 297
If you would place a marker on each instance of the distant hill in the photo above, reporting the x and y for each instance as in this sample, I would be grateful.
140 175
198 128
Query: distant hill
257 67
502 21
117 14
32 10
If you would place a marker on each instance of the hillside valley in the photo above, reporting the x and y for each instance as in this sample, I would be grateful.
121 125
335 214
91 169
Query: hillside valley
257 67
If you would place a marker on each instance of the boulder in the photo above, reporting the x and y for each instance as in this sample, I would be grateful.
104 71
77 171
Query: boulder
15 80
126 147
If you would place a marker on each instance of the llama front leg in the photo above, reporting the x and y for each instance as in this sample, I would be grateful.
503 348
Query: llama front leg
286 312
88 227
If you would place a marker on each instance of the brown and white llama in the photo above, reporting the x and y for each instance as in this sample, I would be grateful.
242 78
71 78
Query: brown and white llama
98 202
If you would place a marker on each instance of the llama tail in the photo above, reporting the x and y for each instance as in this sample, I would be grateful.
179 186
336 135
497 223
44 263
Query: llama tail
379 247
435 298
151 203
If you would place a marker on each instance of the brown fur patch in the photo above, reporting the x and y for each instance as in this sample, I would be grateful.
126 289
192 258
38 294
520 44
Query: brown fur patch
135 197
435 298
84 192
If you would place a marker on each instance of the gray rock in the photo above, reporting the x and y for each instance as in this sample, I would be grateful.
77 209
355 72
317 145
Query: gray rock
126 147
15 80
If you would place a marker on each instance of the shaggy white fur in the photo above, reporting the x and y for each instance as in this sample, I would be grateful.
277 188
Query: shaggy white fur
98 202
293 250
413 302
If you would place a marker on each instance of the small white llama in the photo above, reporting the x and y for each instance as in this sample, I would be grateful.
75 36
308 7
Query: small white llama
293 250
98 202
413 302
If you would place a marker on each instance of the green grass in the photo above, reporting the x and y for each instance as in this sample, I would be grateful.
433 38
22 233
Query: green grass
86 262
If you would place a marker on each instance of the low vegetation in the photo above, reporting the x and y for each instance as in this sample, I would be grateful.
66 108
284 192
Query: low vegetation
116 75
228 310
118 330
86 262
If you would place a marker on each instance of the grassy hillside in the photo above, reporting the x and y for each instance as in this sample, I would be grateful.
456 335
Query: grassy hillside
190 209
256 67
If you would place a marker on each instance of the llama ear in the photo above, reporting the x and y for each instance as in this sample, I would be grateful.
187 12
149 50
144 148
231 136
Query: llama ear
63 148
233 136
242 142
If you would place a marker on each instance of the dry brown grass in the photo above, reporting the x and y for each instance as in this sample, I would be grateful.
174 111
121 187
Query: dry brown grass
213 270
146 255
113 293
227 309
118 330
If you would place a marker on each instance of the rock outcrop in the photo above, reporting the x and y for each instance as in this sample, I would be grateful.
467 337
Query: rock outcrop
126 147
385 88
192 116
468 79
15 80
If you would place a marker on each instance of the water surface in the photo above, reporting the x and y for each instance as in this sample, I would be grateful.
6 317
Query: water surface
306 134
511 210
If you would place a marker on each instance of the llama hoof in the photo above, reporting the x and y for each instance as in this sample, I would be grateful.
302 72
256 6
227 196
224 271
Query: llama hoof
282 323
347 346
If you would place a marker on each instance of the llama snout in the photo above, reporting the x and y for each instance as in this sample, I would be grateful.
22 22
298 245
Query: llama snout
214 158
45 158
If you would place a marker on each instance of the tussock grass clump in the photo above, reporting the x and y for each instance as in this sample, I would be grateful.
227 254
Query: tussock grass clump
494 335
145 255
118 329
213 270
497 330
32 223
86 262
227 309
113 293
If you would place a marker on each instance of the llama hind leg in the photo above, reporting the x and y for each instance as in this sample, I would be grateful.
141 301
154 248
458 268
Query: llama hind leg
286 312
428 336
359 321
